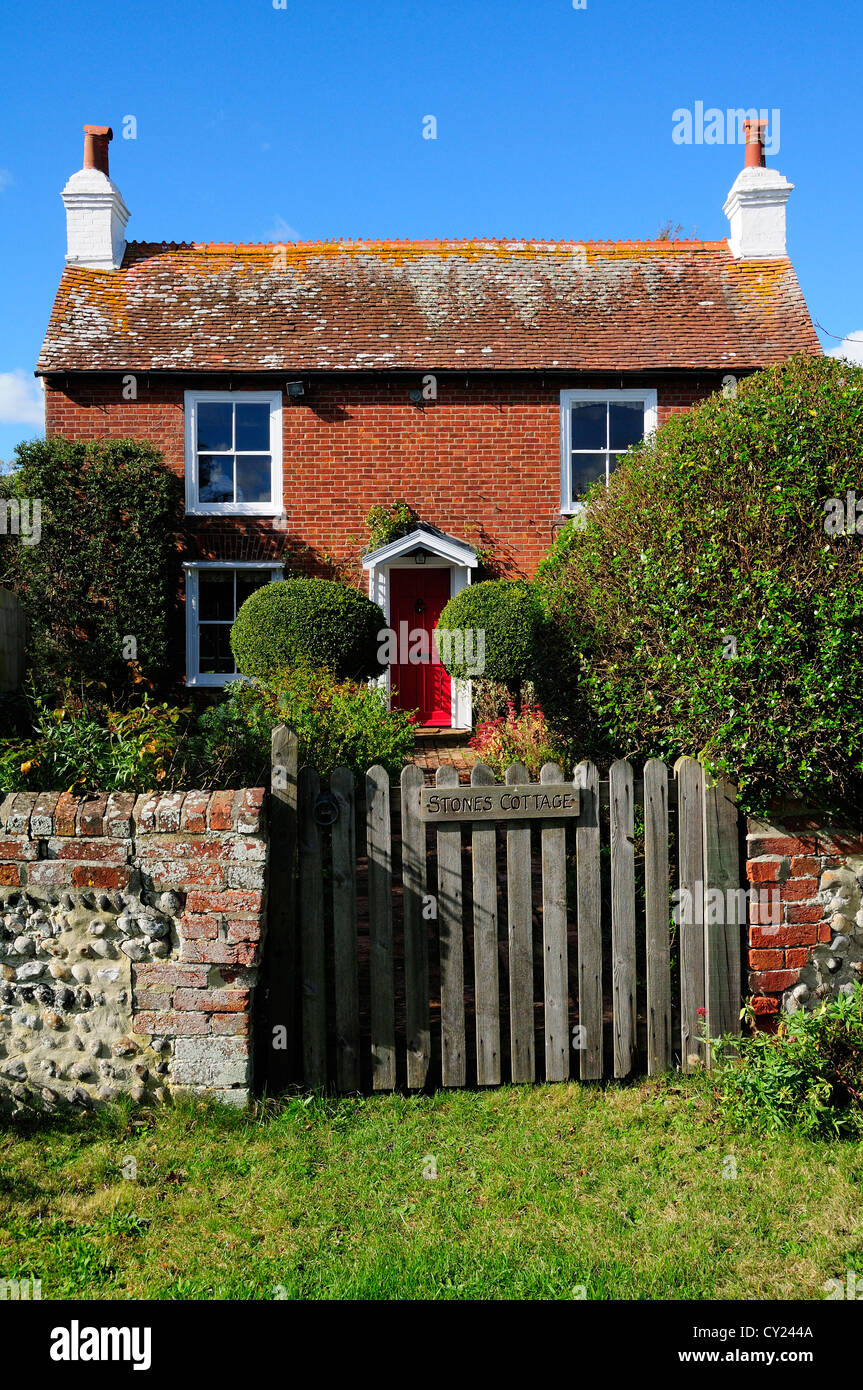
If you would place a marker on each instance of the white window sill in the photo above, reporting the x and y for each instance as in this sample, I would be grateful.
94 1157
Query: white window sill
212 681
249 509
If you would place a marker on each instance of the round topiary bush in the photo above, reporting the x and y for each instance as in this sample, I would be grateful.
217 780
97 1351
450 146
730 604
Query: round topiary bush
711 600
307 622
507 614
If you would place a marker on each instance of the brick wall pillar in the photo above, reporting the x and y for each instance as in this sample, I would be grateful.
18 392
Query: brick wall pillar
806 933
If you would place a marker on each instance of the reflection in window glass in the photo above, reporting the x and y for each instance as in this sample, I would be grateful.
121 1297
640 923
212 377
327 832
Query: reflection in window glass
221 594
215 477
600 433
233 453
215 426
254 478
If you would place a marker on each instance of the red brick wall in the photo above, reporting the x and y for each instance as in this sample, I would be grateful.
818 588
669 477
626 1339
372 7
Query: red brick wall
482 462
814 944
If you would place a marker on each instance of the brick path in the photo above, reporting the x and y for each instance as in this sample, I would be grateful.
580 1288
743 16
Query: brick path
431 753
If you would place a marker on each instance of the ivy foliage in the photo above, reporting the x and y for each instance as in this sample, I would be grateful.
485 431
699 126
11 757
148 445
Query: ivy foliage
706 603
106 565
387 524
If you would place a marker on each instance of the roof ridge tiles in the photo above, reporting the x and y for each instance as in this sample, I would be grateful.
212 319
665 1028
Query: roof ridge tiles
434 242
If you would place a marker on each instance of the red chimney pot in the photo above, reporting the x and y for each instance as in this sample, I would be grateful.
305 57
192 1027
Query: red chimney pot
754 136
96 139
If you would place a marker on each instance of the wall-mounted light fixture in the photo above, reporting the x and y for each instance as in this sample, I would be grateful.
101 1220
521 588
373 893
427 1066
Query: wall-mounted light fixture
295 389
420 556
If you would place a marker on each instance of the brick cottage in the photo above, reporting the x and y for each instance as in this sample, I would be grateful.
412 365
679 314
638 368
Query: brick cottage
485 382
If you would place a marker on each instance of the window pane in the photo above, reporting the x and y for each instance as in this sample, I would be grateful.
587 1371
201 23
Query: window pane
215 655
253 427
214 425
254 475
215 478
589 426
216 595
626 424
247 582
586 468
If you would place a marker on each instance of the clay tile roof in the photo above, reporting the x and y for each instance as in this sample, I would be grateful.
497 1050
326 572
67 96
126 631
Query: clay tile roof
423 305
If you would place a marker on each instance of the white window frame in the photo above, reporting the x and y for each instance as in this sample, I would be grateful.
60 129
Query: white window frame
194 676
194 507
569 505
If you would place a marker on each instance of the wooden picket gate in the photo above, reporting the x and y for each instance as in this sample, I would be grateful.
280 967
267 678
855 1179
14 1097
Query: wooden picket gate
348 979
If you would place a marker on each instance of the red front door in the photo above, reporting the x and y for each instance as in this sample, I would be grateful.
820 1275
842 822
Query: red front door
417 598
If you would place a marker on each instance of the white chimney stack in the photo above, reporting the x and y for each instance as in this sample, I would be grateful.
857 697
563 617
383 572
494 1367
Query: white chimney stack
96 215
755 207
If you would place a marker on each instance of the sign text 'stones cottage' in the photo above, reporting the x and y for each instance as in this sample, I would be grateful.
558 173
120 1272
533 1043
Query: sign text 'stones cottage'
530 801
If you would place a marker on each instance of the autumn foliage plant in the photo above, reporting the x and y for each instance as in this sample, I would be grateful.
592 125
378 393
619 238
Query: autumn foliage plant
82 747
516 738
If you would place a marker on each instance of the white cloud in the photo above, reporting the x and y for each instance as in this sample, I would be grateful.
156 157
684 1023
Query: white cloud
22 400
282 230
850 347
5 179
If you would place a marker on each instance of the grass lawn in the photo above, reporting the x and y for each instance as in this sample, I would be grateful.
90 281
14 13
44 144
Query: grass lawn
623 1190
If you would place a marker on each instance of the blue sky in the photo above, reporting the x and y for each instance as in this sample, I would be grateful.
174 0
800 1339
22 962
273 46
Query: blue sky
263 123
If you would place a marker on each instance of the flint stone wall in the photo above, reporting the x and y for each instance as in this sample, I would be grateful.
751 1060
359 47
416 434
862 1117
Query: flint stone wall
815 947
130 937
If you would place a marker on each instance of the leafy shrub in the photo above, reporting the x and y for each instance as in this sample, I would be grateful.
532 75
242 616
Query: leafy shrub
492 699
522 738
342 723
229 744
698 605
506 611
806 1076
300 622
83 748
107 565
338 724
387 524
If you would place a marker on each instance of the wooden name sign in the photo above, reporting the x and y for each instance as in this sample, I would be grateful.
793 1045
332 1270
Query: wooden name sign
527 801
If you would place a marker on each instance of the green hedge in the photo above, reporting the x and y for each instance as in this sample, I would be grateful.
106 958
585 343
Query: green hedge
700 605
508 614
106 567
316 622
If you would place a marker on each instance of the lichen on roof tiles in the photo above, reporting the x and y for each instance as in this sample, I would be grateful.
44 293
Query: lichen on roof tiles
495 304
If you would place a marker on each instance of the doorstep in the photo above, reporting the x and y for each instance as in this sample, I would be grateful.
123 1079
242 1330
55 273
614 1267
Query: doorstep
443 734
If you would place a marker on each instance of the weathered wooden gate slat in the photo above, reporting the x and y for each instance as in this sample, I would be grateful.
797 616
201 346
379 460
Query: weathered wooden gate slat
449 910
345 933
622 804
555 960
520 925
722 937
280 989
311 904
383 1013
656 916
705 859
415 931
484 854
690 855
589 913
